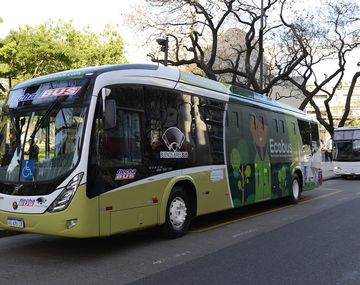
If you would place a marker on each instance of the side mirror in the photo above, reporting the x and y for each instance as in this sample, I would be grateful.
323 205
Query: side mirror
109 117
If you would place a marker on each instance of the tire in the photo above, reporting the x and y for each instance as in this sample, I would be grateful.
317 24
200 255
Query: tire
178 218
295 191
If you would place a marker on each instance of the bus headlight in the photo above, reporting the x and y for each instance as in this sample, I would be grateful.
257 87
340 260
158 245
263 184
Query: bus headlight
65 197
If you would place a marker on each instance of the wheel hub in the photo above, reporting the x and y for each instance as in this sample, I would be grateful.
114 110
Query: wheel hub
177 212
296 189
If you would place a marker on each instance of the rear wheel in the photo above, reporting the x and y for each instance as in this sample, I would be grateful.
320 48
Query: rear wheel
295 191
177 214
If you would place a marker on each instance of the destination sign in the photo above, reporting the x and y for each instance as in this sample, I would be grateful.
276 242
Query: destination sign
63 91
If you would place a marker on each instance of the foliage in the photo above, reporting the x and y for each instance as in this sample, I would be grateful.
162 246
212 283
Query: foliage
50 47
2 87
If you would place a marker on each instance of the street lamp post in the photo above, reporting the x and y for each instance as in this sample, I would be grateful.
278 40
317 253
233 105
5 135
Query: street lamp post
164 43
261 45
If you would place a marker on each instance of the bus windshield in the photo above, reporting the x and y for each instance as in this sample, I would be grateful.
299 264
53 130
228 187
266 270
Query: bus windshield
40 145
347 150
41 130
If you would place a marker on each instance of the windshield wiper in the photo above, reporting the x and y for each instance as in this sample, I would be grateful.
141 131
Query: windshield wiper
44 117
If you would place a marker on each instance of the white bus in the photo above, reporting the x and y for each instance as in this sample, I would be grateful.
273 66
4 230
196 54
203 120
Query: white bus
347 151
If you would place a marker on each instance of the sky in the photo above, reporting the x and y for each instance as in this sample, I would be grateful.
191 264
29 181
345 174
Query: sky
97 14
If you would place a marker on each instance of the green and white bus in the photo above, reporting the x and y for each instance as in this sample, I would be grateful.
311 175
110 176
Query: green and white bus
111 149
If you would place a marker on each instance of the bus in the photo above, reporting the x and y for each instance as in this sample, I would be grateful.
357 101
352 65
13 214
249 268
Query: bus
347 151
125 147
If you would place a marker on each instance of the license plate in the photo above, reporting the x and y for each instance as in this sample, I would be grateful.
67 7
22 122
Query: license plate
15 223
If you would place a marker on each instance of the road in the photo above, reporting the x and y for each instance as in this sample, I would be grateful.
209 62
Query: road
313 242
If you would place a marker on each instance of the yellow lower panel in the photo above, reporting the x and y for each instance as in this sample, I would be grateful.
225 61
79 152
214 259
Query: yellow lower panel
212 195
130 206
128 220
81 208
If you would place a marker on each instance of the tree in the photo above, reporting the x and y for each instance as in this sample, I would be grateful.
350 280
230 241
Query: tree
2 87
197 29
297 41
335 35
50 47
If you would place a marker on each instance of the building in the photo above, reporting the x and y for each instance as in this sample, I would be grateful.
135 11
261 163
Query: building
337 103
231 43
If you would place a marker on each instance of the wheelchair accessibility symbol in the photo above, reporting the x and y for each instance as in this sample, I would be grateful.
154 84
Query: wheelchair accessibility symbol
28 169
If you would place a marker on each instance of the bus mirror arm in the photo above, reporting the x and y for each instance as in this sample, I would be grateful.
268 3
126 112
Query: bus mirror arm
104 93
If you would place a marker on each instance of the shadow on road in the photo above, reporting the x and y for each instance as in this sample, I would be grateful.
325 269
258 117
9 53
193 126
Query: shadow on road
76 250
86 250
202 223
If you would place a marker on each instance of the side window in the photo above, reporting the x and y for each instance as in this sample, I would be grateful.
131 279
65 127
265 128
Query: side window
166 122
253 121
121 146
282 126
314 132
209 125
257 122
275 124
356 149
126 138
235 119
315 138
119 150
293 128
305 132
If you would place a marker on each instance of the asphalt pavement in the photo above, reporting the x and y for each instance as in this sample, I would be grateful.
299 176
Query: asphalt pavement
321 249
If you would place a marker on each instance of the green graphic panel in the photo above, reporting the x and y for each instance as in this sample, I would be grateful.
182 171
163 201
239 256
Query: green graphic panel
261 153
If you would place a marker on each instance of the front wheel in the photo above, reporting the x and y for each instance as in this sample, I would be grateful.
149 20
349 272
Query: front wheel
177 214
295 191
